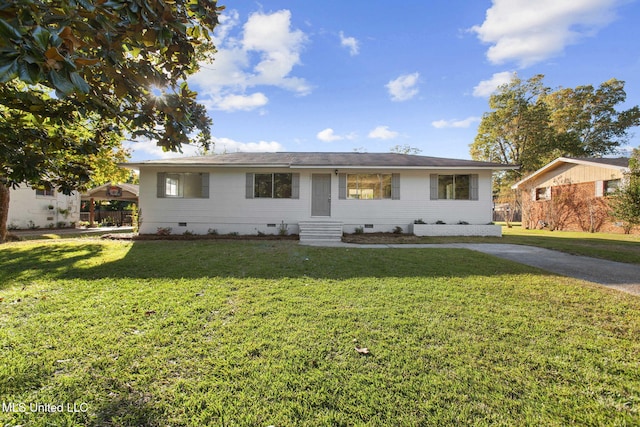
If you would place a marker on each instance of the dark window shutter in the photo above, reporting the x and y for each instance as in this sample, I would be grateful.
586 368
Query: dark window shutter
249 186
395 186
342 186
161 184
205 186
295 186
473 194
433 188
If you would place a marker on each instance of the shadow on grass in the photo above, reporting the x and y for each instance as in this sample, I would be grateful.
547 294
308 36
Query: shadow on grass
27 263
267 260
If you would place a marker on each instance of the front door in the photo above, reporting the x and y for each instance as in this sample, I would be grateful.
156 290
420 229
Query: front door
321 194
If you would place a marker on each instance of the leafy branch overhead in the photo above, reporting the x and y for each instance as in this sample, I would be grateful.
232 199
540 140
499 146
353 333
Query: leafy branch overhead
125 60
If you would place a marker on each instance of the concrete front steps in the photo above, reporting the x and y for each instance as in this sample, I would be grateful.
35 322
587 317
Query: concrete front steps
315 231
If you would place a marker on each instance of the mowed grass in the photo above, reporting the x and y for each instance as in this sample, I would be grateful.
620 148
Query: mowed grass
614 247
265 333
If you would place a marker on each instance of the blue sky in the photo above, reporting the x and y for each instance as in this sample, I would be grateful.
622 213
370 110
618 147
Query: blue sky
340 75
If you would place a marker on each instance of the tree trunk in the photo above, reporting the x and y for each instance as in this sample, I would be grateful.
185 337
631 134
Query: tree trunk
4 211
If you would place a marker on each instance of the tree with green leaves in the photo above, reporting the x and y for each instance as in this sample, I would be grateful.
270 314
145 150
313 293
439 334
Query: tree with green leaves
625 203
585 120
74 73
516 130
530 125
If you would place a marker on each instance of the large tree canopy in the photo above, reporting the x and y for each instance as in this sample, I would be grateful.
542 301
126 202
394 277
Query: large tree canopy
78 75
530 125
516 130
122 59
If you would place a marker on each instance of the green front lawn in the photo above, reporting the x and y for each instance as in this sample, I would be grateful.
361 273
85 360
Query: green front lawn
614 247
265 333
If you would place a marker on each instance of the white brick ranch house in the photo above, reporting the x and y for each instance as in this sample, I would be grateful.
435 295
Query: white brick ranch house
249 193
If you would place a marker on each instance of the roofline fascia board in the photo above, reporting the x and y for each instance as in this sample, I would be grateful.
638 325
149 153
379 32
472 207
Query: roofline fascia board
554 163
405 167
271 166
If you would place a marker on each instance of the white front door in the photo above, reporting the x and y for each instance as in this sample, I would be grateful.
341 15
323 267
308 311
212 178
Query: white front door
321 194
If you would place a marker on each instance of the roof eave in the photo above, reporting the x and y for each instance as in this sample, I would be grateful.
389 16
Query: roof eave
559 160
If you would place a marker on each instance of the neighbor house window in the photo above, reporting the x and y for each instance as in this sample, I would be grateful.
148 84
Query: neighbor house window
543 193
454 187
273 186
611 186
183 185
46 191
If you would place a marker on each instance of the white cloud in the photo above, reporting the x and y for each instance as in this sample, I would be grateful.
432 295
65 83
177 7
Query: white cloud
351 43
144 149
485 88
465 123
148 149
329 135
529 32
242 102
382 132
404 87
261 53
279 47
228 145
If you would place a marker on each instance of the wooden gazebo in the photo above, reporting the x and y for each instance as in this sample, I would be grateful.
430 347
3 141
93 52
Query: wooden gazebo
120 192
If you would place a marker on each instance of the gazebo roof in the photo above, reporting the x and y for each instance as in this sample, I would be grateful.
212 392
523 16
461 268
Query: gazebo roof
126 192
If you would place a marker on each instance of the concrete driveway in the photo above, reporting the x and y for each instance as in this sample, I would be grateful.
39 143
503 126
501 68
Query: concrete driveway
617 275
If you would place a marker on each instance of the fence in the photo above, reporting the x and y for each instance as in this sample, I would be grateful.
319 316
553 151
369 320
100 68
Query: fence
109 218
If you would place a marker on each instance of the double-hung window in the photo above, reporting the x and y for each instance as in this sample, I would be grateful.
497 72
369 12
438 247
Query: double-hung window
611 186
454 187
369 186
543 193
184 185
273 186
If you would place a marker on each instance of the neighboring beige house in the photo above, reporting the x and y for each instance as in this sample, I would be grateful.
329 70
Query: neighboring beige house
572 194
46 208
249 193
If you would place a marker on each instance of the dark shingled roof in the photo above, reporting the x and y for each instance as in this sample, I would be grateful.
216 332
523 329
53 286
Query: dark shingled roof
301 159
622 162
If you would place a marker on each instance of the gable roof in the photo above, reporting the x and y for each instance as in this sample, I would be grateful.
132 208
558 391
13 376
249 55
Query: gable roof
323 160
619 163
129 192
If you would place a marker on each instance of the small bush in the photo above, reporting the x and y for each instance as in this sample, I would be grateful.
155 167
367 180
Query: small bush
233 233
463 223
283 229
212 232
163 231
440 222
398 230
188 233
419 221
359 230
